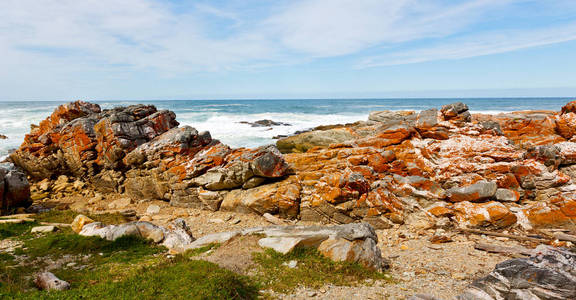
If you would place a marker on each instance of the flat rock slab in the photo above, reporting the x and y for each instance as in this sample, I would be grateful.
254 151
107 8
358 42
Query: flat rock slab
350 242
43 229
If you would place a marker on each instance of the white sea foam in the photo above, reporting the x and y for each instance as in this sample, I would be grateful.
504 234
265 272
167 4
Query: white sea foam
228 129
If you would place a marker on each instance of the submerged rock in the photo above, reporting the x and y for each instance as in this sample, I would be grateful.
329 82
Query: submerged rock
265 123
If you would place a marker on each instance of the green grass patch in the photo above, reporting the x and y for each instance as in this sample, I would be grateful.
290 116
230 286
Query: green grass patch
67 216
313 270
9 230
178 279
68 242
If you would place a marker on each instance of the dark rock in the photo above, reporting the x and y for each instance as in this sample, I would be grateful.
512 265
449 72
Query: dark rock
265 123
456 111
549 274
14 188
3 137
493 126
479 191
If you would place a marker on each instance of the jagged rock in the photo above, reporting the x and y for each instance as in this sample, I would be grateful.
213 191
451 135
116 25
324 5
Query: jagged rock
549 274
393 117
49 282
14 188
456 111
475 192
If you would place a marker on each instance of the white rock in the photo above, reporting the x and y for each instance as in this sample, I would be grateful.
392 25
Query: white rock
153 209
48 281
43 229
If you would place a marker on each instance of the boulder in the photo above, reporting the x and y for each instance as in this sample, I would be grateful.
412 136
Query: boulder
14 188
549 274
476 192
79 222
307 140
49 282
456 112
175 237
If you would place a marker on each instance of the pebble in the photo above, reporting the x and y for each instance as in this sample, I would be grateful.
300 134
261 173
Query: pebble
153 209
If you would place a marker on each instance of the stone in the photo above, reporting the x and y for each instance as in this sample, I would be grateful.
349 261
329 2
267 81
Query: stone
476 192
153 209
548 274
507 195
456 111
79 222
43 229
272 219
49 282
364 252
308 140
120 203
14 187
176 236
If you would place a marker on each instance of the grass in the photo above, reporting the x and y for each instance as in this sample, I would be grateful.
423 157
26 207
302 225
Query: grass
179 279
313 270
15 229
131 267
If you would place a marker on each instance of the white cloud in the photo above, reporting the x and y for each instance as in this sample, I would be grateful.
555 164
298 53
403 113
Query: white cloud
475 45
63 37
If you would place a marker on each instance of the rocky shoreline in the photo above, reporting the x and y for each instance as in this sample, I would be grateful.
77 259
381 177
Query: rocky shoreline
432 171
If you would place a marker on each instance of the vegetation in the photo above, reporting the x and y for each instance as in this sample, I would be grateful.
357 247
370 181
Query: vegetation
312 270
131 267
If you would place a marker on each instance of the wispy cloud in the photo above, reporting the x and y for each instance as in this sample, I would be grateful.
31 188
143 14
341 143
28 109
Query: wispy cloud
475 45
73 36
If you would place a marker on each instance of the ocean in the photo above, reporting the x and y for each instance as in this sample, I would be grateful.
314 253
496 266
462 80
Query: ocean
222 117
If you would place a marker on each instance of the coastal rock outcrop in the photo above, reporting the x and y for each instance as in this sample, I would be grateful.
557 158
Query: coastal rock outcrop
477 170
141 151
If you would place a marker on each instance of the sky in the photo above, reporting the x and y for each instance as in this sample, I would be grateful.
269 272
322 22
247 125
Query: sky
259 49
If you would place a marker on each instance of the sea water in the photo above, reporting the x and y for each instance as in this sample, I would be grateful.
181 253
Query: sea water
222 117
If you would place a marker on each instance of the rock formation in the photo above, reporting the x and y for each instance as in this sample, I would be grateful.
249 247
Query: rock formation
14 188
396 167
549 274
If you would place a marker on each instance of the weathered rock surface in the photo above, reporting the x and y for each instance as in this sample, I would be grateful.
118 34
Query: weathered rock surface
49 282
265 123
351 242
476 170
549 274
14 188
175 237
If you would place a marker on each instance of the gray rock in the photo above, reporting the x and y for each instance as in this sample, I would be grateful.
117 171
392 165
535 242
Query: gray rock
43 229
392 117
476 192
549 274
506 195
14 187
491 125
176 236
456 111
49 282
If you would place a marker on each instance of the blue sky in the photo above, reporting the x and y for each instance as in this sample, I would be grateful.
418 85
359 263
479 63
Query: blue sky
184 49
